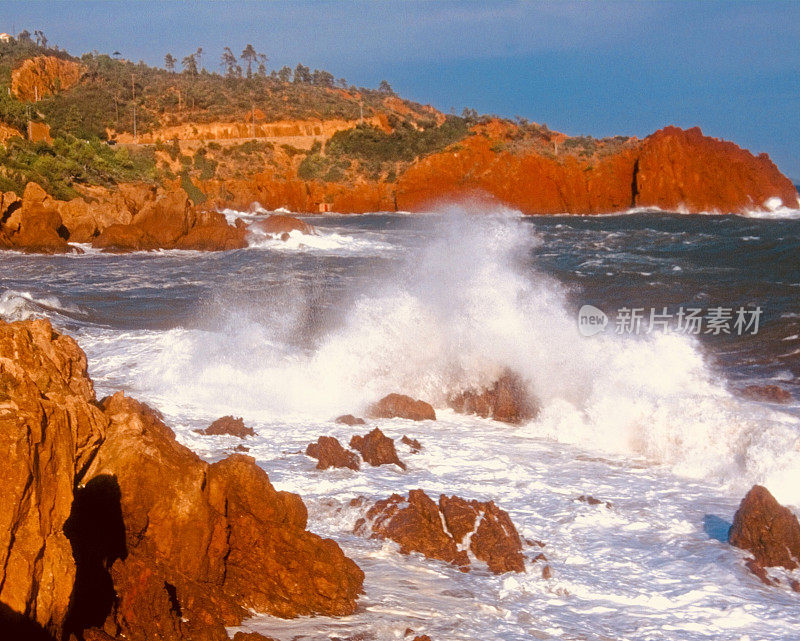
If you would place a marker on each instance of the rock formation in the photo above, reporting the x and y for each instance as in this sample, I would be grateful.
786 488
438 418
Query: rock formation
401 406
377 449
112 529
506 400
349 419
772 393
329 453
279 224
446 531
228 425
768 530
41 76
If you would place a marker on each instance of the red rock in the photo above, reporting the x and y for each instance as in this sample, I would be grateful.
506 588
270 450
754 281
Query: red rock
167 219
251 636
495 541
771 393
280 224
349 419
228 425
401 406
49 429
756 568
213 233
413 443
208 543
241 448
124 238
507 400
767 529
330 453
376 449
547 573
417 525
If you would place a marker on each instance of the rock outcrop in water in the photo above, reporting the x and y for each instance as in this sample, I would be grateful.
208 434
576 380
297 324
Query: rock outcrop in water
402 406
768 530
445 531
506 400
112 529
377 449
134 218
771 393
228 425
279 225
329 453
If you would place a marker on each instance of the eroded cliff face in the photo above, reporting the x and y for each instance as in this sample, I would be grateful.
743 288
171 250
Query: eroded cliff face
672 169
44 75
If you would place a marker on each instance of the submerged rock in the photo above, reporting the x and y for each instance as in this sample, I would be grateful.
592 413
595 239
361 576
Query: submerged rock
507 400
440 532
401 406
349 419
280 224
330 453
413 443
228 425
377 449
772 393
767 529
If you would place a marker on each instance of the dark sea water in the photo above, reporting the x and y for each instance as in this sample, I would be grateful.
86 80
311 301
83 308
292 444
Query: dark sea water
290 335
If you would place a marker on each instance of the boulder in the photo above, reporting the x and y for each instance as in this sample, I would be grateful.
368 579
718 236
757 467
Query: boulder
507 400
349 419
401 406
213 233
167 219
124 238
416 525
442 532
279 224
330 453
768 530
771 393
228 425
377 449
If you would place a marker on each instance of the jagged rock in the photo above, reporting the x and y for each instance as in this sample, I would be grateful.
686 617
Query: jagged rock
228 425
330 453
401 406
376 449
413 443
439 532
49 429
416 525
590 500
213 233
167 219
109 528
349 419
507 400
767 529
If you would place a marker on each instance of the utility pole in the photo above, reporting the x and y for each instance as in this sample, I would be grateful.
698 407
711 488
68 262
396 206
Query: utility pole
253 109
133 90
361 108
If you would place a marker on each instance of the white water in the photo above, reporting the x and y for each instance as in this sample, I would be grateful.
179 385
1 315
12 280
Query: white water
642 422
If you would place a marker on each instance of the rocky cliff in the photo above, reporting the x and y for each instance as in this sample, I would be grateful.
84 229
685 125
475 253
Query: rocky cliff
112 529
42 76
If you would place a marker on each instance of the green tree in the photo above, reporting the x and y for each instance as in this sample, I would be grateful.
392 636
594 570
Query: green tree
285 74
249 55
302 74
228 62
169 62
189 64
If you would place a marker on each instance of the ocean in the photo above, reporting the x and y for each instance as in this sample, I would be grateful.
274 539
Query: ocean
642 407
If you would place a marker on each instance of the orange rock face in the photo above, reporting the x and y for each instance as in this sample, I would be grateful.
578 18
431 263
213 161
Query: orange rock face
671 169
402 406
44 75
108 522
329 453
228 425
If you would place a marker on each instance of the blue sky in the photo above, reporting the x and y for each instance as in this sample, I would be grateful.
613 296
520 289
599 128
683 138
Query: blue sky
733 68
